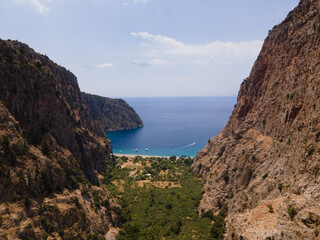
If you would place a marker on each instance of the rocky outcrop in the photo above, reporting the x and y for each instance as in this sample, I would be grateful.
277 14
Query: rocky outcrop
111 114
52 155
265 162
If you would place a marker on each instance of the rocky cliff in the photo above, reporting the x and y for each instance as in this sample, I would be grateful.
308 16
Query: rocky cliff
265 163
111 114
46 100
51 153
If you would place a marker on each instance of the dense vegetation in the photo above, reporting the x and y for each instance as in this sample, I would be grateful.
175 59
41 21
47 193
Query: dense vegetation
159 197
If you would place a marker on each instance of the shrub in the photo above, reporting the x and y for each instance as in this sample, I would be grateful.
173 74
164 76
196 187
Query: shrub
44 235
226 177
29 226
46 180
9 151
270 208
280 186
48 208
77 203
38 65
168 206
121 217
20 148
27 203
223 212
265 176
94 237
47 226
61 232
83 214
292 212
106 204
207 214
45 149
218 228
173 158
311 150
188 161
176 227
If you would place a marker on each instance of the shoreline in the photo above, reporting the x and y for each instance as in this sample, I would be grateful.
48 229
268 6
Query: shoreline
136 155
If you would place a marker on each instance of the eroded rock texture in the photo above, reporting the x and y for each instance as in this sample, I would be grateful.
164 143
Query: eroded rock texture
268 156
51 153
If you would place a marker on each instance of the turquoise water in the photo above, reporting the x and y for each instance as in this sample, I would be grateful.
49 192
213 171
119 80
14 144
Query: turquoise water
173 126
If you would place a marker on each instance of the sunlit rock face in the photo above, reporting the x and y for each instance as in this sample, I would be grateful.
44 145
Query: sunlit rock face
265 163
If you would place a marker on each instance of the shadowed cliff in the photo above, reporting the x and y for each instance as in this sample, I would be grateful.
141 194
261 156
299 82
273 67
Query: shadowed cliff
111 114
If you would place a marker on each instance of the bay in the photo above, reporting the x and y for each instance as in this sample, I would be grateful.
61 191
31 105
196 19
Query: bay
173 126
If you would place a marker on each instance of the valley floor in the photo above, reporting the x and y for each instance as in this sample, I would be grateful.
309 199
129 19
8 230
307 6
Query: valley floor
159 197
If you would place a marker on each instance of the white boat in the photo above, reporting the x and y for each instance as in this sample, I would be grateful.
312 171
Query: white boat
136 150
147 149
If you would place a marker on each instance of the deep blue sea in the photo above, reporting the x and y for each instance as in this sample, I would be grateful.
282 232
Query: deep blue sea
173 126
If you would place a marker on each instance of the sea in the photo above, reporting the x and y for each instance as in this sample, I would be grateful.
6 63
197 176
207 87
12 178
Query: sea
175 126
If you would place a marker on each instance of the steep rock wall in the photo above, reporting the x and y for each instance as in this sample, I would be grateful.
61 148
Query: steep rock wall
268 153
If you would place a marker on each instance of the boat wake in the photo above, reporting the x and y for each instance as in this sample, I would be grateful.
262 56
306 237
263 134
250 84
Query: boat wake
190 145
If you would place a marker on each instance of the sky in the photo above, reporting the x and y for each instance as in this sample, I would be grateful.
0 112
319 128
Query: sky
147 48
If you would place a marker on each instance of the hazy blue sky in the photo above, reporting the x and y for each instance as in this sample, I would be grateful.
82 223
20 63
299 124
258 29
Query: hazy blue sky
125 48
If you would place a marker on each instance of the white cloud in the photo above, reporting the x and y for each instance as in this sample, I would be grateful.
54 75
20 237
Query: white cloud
137 1
41 7
105 65
154 62
38 4
170 46
125 4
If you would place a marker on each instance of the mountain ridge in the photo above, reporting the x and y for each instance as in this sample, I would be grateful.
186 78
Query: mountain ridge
264 163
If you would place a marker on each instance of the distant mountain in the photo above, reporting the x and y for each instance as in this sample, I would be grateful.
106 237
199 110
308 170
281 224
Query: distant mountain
265 163
53 155
111 114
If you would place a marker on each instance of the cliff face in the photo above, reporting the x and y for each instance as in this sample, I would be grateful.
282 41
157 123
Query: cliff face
49 158
111 114
47 195
265 162
46 100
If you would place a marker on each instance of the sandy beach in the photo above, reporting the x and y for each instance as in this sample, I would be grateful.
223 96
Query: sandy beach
133 155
